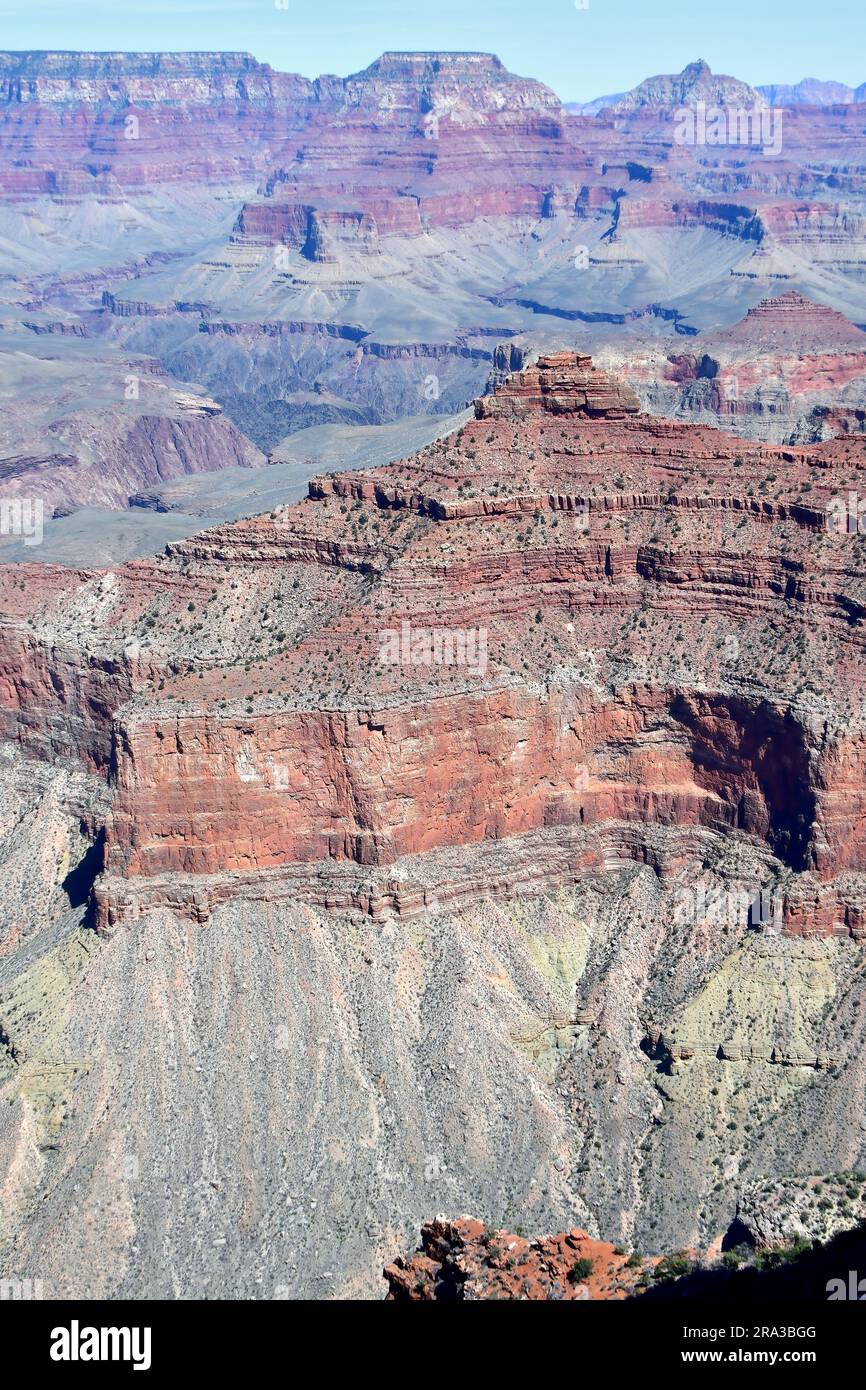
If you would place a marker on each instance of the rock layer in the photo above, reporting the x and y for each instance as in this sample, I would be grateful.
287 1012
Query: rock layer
791 370
568 621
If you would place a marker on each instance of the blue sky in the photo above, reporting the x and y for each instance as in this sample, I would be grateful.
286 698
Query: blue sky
581 53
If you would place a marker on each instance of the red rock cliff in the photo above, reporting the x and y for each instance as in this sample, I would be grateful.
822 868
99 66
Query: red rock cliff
555 636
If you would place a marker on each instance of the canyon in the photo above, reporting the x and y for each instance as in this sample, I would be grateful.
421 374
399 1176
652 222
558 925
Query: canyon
355 252
791 371
432 731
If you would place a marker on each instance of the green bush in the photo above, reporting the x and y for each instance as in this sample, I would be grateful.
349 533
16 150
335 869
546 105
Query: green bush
674 1266
580 1271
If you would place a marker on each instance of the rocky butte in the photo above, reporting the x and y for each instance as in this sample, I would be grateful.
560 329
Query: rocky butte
792 370
672 640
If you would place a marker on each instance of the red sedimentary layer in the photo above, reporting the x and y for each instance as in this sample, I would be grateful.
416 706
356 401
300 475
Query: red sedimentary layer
420 140
792 322
566 632
415 141
75 122
561 384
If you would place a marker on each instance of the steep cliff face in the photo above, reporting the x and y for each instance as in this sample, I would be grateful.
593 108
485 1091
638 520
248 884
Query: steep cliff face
492 824
419 141
79 122
565 626
164 117
85 425
102 458
425 141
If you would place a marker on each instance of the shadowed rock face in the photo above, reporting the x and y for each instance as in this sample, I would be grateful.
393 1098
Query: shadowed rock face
758 758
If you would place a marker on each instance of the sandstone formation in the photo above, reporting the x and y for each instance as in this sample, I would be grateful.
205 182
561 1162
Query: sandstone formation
470 140
561 384
146 116
288 1092
612 624
794 323
484 832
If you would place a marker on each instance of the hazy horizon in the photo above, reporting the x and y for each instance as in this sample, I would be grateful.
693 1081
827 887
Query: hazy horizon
581 53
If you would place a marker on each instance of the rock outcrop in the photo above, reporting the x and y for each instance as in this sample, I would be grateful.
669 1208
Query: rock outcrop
776 1211
612 625
561 384
696 83
791 371
461 1261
